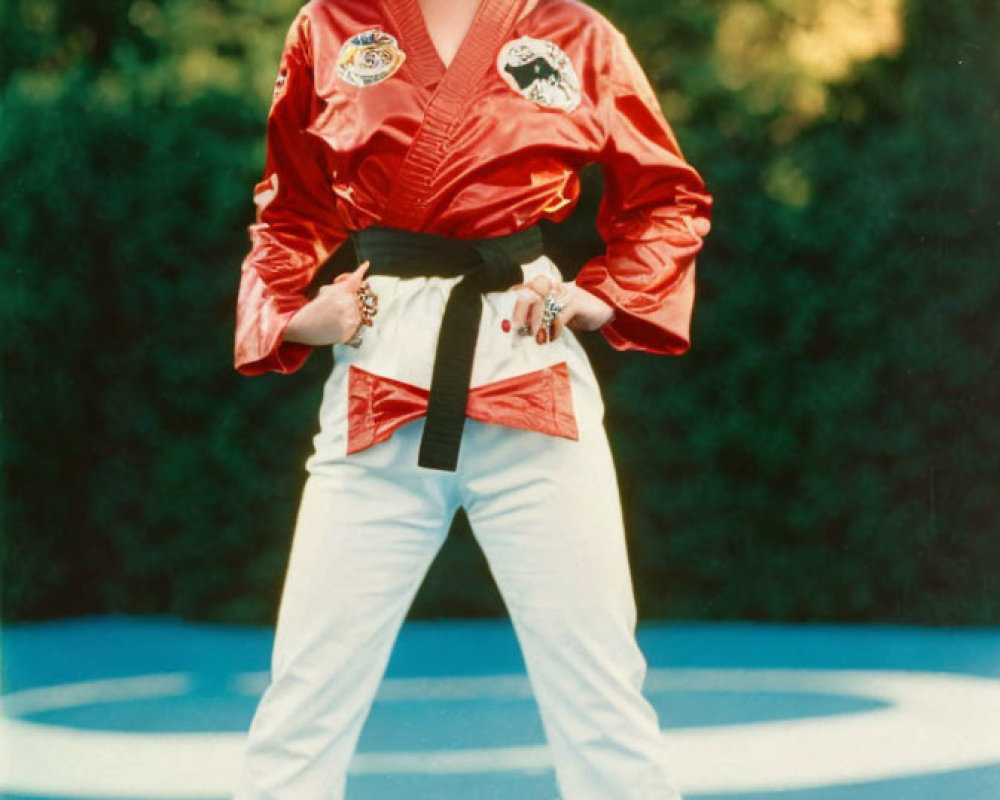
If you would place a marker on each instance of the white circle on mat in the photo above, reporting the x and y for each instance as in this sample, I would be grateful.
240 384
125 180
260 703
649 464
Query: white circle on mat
933 722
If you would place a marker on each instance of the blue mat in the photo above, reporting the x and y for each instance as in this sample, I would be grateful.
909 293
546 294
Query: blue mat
124 675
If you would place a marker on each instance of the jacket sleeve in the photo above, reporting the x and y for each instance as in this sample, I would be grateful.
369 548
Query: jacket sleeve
296 227
653 216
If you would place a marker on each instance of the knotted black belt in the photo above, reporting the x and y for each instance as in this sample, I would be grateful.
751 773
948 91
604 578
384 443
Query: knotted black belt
484 265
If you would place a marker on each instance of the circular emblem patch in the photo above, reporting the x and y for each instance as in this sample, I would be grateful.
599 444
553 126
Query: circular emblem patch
369 57
540 71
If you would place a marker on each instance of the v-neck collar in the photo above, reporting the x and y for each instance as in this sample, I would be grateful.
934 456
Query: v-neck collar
451 91
491 16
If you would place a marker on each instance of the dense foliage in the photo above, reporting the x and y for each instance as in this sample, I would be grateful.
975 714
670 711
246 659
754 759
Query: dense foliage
829 449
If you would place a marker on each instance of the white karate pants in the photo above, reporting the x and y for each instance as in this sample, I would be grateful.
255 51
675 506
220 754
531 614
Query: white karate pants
545 511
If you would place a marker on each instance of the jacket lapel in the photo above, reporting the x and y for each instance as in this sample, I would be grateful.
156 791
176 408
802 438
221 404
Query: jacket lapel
477 54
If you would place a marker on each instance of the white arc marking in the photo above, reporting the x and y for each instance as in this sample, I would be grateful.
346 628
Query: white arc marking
934 722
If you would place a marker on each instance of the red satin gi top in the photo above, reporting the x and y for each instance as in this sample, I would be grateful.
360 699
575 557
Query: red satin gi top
367 126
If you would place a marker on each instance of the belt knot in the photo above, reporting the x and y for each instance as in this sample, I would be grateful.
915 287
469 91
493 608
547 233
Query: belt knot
484 265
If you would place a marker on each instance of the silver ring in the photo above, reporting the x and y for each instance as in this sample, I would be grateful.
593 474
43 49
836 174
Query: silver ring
550 309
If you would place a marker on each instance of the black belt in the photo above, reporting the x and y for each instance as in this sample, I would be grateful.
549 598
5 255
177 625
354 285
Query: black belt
484 265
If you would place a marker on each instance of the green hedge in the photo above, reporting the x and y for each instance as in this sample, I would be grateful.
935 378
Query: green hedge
827 450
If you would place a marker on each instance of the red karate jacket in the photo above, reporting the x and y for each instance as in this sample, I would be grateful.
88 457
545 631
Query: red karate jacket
367 126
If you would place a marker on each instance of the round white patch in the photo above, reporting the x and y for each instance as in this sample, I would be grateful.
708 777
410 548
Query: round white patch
540 71
369 57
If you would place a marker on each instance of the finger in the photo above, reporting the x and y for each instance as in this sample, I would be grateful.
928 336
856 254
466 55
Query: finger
558 323
354 331
355 278
535 315
550 332
565 316
542 285
356 274
519 316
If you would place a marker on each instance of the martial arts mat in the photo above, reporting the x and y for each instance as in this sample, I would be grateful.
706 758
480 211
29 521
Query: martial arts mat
143 708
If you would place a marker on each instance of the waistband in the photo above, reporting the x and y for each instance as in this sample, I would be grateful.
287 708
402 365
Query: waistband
484 265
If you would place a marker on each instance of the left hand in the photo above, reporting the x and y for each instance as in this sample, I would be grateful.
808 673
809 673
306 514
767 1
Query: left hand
581 310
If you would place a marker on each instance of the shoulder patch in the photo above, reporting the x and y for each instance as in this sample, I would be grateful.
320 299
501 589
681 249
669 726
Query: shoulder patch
279 83
369 57
540 71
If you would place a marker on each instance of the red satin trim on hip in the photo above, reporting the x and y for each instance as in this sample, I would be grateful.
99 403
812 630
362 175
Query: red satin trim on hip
535 401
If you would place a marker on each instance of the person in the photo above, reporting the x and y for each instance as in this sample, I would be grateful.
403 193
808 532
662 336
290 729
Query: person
435 135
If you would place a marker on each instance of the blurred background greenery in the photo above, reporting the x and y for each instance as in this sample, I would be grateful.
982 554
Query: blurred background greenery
828 450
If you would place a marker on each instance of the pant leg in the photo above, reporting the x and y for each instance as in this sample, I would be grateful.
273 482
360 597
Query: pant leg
546 513
368 527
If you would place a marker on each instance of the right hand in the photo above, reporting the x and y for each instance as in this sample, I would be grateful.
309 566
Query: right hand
581 310
333 316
